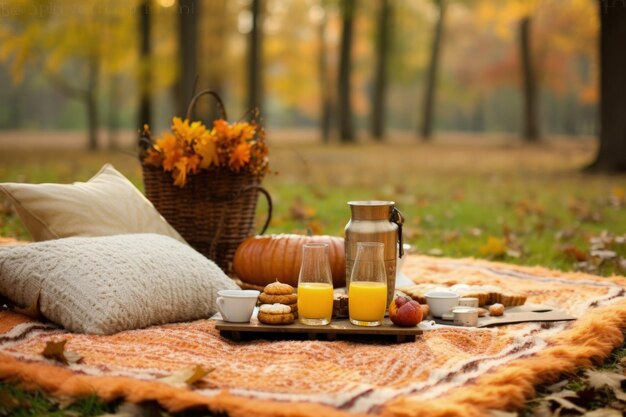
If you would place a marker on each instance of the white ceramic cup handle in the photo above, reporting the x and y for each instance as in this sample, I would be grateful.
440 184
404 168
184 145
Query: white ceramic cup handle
220 304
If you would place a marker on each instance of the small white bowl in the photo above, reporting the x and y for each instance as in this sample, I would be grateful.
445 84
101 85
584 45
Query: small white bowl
441 302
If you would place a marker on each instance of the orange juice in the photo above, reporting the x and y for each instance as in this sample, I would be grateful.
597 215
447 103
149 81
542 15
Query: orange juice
315 300
367 301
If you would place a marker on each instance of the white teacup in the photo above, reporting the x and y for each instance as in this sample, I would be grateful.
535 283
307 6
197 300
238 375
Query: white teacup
236 305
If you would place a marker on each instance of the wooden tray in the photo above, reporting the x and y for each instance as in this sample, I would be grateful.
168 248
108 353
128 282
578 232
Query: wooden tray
336 328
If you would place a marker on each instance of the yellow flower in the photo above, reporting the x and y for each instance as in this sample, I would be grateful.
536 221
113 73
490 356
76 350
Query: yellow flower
207 149
242 131
240 156
187 132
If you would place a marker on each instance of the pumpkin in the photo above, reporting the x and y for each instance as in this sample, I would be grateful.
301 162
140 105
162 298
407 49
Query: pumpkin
261 260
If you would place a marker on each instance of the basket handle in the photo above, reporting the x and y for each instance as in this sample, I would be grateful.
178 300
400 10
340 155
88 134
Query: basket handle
267 197
194 99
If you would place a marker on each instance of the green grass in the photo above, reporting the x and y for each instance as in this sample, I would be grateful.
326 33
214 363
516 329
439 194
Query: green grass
455 195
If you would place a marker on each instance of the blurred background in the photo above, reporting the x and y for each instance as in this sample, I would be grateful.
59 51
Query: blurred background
328 69
476 116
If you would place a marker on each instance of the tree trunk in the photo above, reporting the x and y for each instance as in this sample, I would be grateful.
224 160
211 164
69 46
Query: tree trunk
428 111
255 61
115 98
346 126
188 47
214 37
91 103
611 155
325 94
145 76
380 82
530 121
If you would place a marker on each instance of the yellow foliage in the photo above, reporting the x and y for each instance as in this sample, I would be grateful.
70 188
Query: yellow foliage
191 147
494 247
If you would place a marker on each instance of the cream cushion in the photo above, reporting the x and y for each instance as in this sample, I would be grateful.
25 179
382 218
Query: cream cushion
107 204
103 285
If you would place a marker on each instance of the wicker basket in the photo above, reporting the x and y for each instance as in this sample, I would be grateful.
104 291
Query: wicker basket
214 212
216 209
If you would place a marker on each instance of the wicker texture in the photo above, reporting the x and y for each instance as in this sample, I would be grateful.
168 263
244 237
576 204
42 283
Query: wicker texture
214 212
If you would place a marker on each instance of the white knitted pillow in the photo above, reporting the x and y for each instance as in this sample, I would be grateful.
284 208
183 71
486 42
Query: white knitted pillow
107 284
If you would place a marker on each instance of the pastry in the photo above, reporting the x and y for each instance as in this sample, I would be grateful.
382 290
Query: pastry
278 288
418 292
496 310
340 306
275 314
287 299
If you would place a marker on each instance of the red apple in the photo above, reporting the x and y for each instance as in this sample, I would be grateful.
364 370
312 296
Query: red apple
405 312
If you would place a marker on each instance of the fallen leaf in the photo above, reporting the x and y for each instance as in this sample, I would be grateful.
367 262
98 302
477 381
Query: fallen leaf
600 379
575 253
603 254
560 398
603 412
7 402
186 377
494 247
558 386
56 351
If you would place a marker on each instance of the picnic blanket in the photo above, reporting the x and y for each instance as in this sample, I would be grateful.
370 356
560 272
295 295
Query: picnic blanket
452 371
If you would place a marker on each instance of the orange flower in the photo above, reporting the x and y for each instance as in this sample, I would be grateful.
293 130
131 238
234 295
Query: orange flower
240 156
171 149
184 166
207 149
190 147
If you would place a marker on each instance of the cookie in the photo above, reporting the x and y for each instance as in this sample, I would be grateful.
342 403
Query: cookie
278 288
278 299
275 314
496 310
293 307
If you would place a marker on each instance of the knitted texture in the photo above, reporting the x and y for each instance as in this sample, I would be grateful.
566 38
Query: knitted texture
446 372
103 285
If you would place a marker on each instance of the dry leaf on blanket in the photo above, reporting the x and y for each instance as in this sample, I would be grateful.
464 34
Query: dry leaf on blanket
185 377
600 379
56 351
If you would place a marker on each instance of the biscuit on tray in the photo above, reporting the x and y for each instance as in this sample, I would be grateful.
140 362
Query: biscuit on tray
278 288
287 299
275 314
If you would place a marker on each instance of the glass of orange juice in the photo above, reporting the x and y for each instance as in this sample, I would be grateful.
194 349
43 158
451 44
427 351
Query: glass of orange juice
367 293
315 285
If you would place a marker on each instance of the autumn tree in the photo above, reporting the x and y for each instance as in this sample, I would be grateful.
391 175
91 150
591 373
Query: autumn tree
72 43
428 101
188 12
530 120
344 110
145 68
326 104
255 55
611 154
380 78
213 65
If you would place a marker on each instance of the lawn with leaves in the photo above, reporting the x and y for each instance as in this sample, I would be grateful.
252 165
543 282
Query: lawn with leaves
491 198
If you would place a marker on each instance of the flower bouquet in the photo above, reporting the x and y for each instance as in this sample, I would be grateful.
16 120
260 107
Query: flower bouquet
205 182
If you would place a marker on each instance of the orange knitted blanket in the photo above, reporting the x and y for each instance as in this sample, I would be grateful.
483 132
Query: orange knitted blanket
445 372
